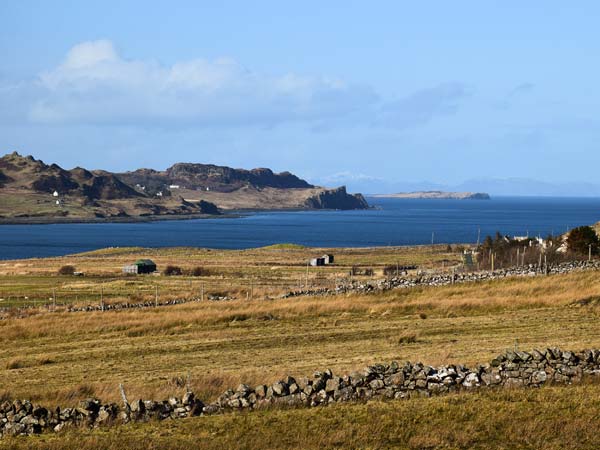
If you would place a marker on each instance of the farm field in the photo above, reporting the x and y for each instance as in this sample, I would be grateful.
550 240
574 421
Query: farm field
268 271
59 358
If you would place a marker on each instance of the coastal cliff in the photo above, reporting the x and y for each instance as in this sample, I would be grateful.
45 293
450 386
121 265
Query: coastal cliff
336 199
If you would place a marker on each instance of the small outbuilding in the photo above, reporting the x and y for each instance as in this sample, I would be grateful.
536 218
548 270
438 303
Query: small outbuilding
317 262
328 259
140 266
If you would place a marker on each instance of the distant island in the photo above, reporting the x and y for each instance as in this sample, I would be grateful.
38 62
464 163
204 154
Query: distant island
32 191
437 195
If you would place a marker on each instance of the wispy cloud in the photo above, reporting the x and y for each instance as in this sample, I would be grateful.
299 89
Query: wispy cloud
423 106
95 85
521 89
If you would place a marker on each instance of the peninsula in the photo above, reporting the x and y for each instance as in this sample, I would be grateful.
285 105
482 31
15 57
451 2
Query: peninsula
32 191
437 195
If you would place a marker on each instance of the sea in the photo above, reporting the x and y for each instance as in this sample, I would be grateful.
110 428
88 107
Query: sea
391 222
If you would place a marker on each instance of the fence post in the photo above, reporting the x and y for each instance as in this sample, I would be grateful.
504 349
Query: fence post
126 407
123 396
187 383
102 297
202 292
156 295
306 284
53 299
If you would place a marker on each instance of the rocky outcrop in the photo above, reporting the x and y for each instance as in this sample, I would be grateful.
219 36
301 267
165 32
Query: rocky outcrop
60 181
4 179
512 368
105 186
336 199
208 208
28 172
215 178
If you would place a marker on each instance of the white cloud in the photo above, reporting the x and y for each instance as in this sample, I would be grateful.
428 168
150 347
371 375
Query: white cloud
94 85
89 54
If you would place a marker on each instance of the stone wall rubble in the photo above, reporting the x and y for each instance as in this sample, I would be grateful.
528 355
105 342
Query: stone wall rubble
391 381
444 279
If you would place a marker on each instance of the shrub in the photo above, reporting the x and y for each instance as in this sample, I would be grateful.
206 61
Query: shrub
172 270
581 238
66 270
198 271
390 270
355 270
423 316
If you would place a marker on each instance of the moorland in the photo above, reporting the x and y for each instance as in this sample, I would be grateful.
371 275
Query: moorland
57 357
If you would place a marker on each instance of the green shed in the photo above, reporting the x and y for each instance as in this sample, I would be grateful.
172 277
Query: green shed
140 266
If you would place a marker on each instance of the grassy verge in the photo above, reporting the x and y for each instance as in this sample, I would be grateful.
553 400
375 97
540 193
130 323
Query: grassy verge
548 418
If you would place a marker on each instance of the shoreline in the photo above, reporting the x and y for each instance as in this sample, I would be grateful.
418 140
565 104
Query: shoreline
128 219
229 214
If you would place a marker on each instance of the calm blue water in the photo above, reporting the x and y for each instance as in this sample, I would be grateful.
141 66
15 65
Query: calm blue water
398 222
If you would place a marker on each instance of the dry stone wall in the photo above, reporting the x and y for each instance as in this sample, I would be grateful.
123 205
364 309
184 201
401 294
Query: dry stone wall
401 282
391 381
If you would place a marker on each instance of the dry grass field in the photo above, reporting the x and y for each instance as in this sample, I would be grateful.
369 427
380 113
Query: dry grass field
261 272
60 357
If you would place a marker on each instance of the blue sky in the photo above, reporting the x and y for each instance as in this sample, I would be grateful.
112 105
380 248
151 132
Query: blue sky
369 94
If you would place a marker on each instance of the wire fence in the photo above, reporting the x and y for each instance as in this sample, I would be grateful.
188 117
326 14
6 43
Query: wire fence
105 294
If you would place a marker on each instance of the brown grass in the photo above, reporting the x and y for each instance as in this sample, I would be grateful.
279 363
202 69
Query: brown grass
256 341
553 418
59 357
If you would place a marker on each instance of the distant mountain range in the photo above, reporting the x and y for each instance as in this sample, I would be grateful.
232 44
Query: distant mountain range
492 186
33 191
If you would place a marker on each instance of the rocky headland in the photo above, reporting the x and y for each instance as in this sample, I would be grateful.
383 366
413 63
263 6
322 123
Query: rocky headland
32 191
